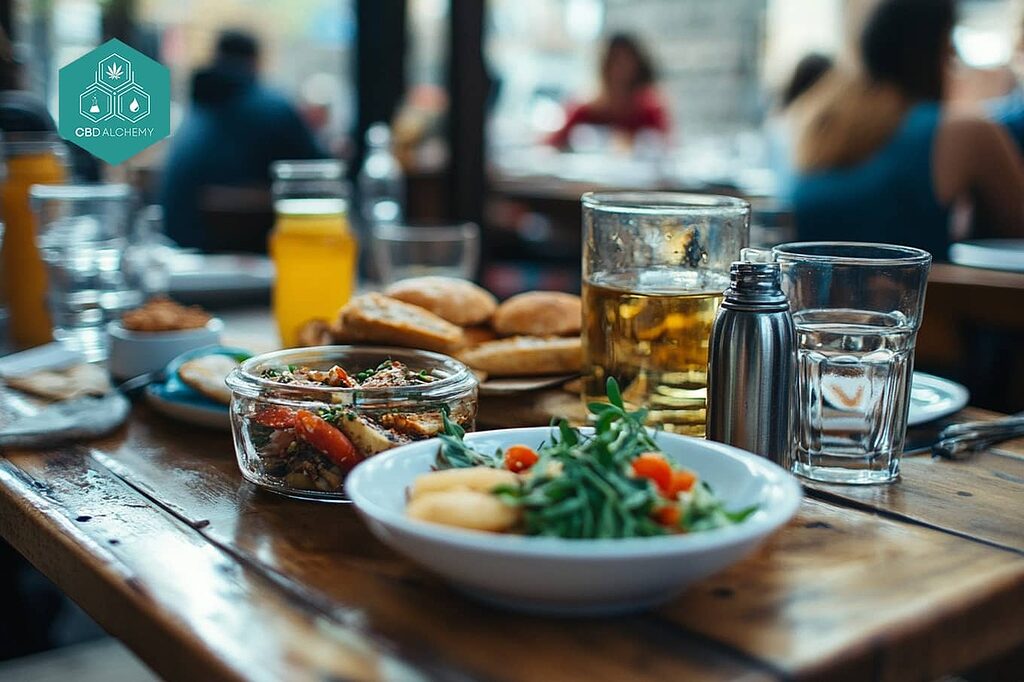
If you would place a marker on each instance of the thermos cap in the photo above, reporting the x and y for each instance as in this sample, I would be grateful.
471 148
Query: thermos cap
755 284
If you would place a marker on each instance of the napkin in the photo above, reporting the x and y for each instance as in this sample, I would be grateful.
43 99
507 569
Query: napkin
76 419
87 405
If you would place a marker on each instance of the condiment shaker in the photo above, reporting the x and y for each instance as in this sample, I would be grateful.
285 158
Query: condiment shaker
751 363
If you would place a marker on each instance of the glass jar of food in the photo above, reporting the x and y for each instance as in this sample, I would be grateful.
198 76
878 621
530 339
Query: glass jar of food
303 418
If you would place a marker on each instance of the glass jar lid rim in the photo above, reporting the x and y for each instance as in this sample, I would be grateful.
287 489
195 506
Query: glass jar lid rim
308 169
245 376
85 191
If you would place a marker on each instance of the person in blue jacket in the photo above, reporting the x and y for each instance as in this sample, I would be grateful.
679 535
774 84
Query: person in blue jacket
879 159
234 130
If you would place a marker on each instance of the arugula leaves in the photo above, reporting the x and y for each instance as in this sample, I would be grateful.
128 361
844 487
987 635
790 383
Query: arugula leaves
582 487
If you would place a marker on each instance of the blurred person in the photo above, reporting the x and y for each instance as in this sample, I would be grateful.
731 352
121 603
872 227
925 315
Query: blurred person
809 70
779 125
1008 110
879 159
628 101
234 130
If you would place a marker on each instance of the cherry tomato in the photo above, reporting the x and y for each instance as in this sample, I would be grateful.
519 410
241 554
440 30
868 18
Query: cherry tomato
519 458
326 438
274 417
655 467
682 481
669 515
339 377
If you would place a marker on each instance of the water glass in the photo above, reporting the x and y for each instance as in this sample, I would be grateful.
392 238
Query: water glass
857 308
402 251
655 269
83 233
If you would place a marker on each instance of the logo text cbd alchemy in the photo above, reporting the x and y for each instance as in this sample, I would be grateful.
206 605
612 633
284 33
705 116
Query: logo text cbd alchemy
114 102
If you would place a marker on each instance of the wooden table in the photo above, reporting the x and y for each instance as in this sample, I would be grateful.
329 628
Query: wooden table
156 535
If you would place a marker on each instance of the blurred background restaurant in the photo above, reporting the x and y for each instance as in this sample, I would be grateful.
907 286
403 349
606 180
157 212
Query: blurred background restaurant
475 93
502 113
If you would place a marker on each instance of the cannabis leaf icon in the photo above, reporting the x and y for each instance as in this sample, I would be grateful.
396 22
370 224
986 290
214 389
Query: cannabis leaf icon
114 72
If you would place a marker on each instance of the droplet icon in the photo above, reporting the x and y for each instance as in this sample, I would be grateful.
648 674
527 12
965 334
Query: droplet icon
134 106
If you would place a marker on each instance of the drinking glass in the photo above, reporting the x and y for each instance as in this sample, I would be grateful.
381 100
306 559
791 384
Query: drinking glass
402 251
857 308
655 267
83 233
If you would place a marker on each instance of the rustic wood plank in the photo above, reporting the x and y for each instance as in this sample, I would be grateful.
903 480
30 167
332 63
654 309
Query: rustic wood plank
980 497
890 586
839 594
187 609
325 553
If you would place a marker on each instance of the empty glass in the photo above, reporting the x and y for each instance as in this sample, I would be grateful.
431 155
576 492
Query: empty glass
402 251
83 233
857 308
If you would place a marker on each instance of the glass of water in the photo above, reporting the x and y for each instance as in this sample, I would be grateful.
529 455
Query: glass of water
403 251
857 308
83 234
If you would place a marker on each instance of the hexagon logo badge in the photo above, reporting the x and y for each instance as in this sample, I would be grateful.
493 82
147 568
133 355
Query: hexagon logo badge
114 102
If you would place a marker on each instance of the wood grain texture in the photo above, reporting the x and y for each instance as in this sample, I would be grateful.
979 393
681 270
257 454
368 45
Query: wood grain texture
183 606
840 593
326 555
210 578
980 498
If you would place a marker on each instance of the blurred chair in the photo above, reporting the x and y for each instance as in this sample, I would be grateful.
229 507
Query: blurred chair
237 219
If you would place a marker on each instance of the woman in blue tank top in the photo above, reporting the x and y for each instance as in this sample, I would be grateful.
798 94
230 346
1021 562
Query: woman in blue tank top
879 159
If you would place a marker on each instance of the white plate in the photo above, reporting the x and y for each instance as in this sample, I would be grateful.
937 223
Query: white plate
933 397
219 275
575 577
1000 254
210 416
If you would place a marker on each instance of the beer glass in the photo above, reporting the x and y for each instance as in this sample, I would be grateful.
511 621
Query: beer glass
655 266
857 308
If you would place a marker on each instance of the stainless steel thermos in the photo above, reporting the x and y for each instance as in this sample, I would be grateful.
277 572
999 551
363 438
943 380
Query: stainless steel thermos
751 364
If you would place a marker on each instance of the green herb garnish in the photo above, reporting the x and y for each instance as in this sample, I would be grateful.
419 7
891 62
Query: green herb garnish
585 486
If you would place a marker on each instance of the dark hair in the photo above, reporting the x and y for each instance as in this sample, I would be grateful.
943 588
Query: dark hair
645 73
808 71
905 44
237 45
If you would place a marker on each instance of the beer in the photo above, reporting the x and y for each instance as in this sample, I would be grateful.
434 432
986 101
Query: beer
650 330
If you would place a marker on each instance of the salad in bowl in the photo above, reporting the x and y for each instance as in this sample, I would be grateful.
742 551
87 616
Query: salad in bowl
562 520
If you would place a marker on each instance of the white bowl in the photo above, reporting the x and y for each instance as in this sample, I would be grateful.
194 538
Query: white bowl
133 353
575 577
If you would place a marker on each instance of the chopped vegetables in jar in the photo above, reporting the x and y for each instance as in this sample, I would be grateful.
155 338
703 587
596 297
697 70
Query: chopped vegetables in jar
310 446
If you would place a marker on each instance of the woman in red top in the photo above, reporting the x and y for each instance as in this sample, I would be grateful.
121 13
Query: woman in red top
627 102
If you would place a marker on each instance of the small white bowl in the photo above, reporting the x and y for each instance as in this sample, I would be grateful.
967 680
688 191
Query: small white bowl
575 577
133 353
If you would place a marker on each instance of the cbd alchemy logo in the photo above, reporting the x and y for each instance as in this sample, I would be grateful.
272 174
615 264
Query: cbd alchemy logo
114 102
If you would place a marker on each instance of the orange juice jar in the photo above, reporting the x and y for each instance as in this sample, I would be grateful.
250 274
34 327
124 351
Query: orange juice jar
31 159
312 245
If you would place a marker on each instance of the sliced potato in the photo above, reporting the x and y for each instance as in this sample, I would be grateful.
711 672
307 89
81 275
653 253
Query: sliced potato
464 509
421 425
477 479
367 437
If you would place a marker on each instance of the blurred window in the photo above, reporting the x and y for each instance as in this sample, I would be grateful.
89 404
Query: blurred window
306 45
